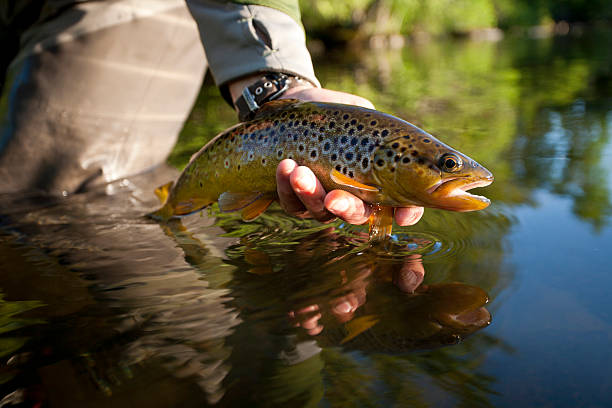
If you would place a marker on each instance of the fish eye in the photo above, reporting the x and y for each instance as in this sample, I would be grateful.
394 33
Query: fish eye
450 163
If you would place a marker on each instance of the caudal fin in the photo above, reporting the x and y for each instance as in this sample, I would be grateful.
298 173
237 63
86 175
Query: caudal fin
166 211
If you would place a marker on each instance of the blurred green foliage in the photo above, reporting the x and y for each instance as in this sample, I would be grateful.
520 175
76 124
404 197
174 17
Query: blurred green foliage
442 16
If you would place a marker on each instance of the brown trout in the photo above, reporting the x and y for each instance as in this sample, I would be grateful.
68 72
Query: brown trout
379 158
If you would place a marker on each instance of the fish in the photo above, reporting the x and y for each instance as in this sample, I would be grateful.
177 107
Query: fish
382 159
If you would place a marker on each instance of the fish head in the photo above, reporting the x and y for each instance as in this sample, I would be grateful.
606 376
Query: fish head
414 168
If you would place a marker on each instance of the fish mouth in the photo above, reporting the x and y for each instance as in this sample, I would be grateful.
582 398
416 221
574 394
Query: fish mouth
452 193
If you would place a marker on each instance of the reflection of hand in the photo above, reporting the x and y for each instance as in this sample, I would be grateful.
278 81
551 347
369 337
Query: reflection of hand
351 295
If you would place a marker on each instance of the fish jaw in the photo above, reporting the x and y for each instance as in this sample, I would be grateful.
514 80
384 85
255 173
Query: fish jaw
452 193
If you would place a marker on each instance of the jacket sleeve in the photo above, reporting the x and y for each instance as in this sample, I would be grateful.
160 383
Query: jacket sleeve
242 39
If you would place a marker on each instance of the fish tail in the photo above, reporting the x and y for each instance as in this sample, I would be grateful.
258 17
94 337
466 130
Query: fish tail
166 211
162 192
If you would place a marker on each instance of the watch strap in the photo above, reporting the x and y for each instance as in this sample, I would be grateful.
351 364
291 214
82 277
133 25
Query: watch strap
267 88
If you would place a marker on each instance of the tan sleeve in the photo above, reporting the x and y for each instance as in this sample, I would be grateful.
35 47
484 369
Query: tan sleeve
244 39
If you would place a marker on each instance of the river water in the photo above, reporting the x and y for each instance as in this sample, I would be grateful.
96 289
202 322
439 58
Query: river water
509 306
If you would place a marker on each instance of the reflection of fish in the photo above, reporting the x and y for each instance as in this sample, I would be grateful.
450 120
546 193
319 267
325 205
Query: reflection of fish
435 315
377 157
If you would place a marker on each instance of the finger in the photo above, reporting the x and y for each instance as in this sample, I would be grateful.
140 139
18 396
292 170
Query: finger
408 215
310 192
348 207
311 322
288 200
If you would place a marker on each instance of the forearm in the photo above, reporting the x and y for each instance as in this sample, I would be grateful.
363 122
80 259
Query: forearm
242 40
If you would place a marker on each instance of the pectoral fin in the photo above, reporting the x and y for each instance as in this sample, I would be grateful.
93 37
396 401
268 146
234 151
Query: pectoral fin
230 201
343 180
381 222
257 207
357 326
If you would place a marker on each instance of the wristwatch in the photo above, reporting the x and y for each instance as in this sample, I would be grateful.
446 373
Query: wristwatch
267 88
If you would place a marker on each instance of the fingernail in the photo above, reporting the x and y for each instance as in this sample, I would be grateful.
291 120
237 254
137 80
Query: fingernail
338 206
305 184
343 307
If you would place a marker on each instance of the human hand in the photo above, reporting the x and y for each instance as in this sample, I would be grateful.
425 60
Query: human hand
301 193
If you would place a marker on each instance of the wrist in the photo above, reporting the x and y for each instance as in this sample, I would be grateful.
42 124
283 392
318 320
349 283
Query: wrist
249 93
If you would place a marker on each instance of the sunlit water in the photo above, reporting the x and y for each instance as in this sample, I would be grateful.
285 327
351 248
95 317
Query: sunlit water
100 306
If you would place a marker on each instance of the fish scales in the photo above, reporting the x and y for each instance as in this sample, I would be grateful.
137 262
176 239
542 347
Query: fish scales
376 156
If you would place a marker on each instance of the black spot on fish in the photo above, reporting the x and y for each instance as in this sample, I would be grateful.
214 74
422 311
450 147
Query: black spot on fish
373 123
346 125
282 128
332 124
336 113
421 161
260 137
371 148
380 163
358 156
396 158
295 138
301 147
384 133
437 144
326 146
407 137
395 145
360 127
365 162
375 133
238 167
263 161
351 131
392 169
345 117
338 167
292 116
304 122
354 121
313 154
365 141
279 153
348 156
275 140
426 140
389 153
344 170
403 149
201 185
343 139
414 153
313 125
354 141
284 115
276 122
334 157
321 129
350 173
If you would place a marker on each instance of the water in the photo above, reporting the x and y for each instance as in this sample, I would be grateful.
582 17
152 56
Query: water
509 306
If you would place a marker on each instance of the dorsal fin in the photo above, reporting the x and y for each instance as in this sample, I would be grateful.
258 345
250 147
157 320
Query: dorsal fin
343 180
272 107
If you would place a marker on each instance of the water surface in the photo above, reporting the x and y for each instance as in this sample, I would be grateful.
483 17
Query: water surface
509 306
